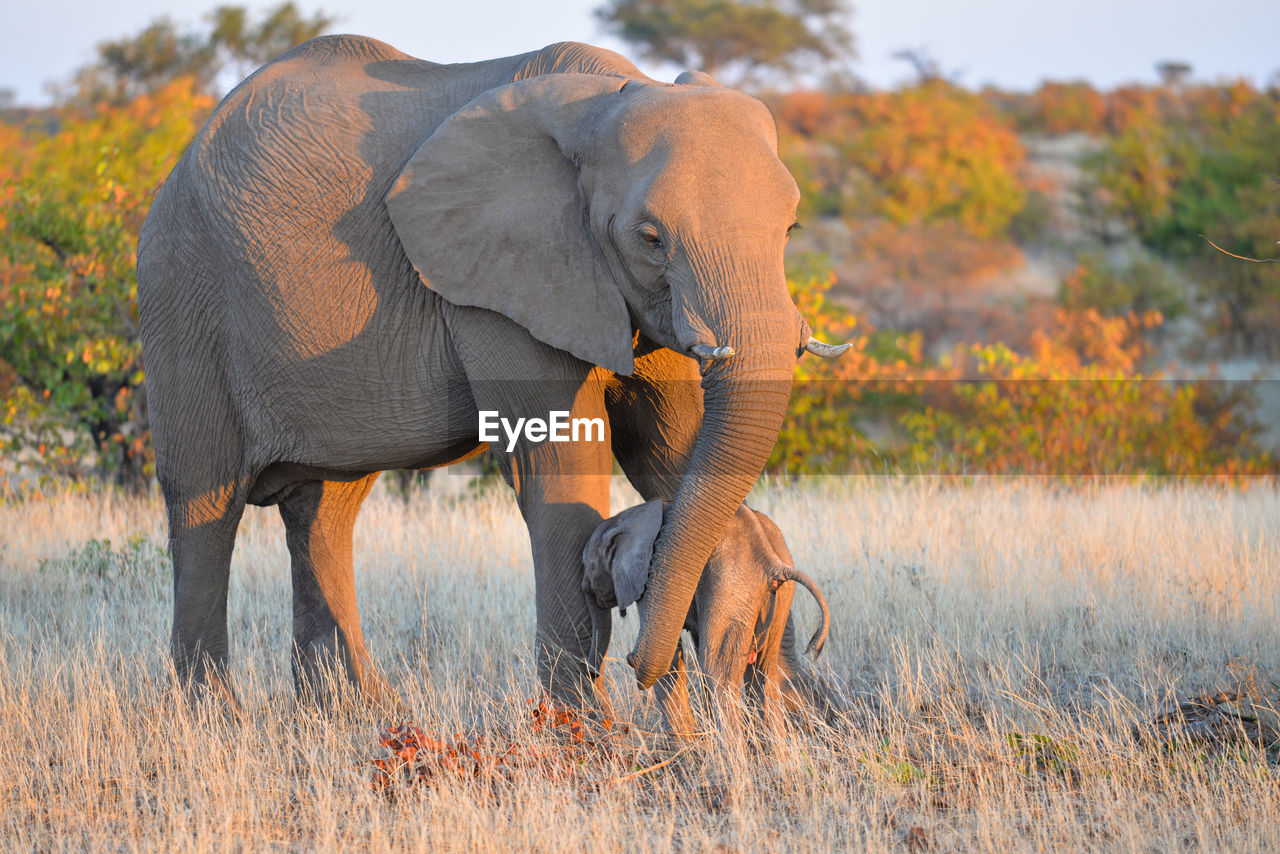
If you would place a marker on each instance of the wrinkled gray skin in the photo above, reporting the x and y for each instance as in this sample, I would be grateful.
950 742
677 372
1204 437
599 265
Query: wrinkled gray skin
361 250
740 619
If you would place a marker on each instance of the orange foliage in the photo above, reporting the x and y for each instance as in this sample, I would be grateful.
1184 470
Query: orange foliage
1222 103
939 152
576 750
1128 106
1077 107
1077 405
930 153
832 401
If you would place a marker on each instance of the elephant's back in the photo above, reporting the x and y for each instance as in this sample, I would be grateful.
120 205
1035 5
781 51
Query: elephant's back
287 181
342 107
315 125
338 48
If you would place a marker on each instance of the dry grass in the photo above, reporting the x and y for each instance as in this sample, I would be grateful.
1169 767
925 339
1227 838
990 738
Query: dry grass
1001 642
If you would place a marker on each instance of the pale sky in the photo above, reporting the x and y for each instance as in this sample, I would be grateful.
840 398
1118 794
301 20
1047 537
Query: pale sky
1013 43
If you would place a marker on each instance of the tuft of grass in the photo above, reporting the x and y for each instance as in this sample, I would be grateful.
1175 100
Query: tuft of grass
138 562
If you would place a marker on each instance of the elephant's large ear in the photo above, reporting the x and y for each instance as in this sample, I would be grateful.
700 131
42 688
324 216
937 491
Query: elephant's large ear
490 213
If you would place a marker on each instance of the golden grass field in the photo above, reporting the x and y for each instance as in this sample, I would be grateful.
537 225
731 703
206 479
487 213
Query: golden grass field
999 641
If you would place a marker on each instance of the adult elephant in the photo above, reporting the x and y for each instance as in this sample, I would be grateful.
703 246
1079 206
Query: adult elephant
361 250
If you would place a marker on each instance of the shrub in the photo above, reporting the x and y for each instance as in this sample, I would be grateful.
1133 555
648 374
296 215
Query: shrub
72 201
1185 166
936 152
1076 404
1142 288
930 153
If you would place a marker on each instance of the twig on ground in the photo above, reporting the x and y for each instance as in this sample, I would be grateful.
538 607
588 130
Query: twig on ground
672 758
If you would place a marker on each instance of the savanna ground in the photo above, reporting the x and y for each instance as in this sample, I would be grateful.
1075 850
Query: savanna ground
1007 645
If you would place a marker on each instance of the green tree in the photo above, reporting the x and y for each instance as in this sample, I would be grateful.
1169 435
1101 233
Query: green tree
242 46
738 40
137 65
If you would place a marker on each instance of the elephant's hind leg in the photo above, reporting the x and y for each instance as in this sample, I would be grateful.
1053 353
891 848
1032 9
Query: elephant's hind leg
202 533
328 644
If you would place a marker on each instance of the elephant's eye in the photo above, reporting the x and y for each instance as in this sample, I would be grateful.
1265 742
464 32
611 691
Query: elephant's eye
793 227
651 237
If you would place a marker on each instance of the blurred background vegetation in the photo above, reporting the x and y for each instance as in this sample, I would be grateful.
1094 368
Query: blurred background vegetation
1024 275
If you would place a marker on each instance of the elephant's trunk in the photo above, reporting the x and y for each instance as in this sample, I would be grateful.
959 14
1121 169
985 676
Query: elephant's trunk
601 631
745 398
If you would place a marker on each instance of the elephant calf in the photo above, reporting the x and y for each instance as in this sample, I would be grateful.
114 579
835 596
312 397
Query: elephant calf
739 619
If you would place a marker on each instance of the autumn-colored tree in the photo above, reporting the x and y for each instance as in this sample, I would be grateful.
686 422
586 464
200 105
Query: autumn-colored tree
837 404
1220 104
1077 405
936 152
1074 107
737 40
71 204
930 153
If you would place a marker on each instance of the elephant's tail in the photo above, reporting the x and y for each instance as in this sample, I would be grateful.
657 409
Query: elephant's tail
819 638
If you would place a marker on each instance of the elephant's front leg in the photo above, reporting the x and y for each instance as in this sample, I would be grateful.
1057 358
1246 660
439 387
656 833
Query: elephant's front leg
561 511
562 486
673 697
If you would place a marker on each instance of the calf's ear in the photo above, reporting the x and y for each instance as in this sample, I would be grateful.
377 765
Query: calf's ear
622 548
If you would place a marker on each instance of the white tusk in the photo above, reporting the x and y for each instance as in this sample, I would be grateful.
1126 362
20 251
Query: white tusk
825 350
708 353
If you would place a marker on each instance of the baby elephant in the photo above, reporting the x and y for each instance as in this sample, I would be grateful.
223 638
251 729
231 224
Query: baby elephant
738 619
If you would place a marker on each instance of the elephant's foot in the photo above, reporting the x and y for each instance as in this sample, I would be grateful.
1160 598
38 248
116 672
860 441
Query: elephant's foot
567 683
325 671
811 698
203 680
